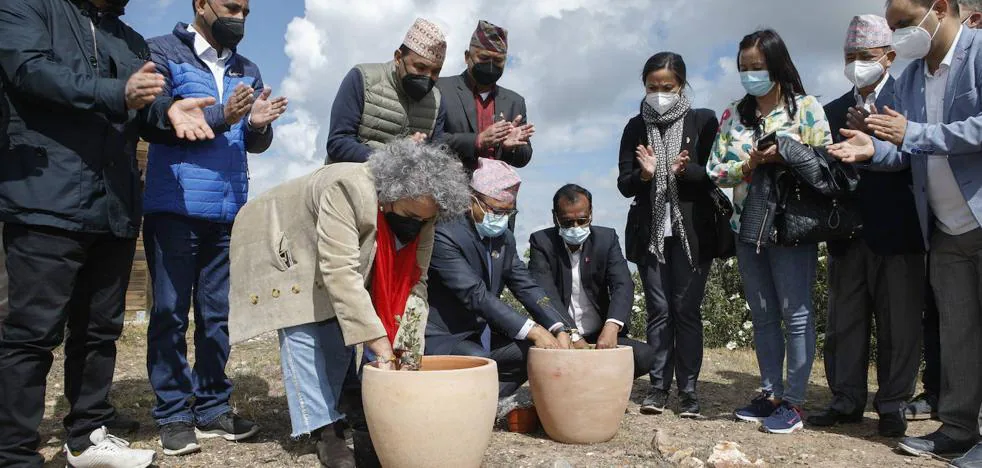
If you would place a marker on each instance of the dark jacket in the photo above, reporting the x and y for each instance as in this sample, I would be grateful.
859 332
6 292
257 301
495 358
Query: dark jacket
886 199
696 204
72 159
604 275
464 296
773 183
461 124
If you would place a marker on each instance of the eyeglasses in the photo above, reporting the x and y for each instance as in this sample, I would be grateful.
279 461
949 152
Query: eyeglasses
488 209
572 223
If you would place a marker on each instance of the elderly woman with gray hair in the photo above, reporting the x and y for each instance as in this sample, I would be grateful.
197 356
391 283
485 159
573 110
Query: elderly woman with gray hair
339 258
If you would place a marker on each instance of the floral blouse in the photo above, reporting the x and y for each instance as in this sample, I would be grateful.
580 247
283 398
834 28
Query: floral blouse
727 162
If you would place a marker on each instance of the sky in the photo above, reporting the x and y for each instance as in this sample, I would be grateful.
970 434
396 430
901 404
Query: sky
576 62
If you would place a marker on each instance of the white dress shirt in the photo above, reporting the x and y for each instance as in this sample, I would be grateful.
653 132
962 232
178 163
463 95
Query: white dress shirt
586 317
216 63
870 100
944 195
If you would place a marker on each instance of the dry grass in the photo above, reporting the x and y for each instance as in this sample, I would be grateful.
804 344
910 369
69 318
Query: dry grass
728 380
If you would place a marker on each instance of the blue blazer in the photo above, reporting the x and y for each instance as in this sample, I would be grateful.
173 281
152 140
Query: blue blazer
960 136
464 297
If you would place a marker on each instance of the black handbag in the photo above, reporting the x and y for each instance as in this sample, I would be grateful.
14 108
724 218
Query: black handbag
809 217
723 209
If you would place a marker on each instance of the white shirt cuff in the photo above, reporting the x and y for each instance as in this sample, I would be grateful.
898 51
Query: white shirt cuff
555 328
618 322
524 332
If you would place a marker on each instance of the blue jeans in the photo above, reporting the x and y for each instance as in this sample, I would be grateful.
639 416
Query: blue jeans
315 365
778 286
188 258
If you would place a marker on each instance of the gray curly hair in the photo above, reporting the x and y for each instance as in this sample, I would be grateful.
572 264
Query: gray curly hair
404 169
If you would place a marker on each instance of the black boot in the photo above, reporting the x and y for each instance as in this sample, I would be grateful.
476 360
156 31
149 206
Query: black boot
332 450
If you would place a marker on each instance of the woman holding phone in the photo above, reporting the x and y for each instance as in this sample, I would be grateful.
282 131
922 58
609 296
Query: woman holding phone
670 233
777 279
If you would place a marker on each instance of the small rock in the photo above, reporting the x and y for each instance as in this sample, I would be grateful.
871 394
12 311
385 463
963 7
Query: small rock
728 455
692 462
681 455
663 444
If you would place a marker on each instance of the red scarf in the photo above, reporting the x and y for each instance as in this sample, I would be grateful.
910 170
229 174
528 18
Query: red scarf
395 273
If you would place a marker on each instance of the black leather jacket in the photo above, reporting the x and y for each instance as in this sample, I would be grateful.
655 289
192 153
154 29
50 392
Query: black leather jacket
770 184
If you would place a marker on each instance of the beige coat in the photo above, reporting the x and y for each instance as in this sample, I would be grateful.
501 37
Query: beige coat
303 253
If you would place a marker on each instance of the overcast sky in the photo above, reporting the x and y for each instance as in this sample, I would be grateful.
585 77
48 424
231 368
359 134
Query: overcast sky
576 62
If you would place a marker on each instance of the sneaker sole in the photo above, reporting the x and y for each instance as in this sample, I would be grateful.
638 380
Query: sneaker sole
190 448
749 418
789 430
225 435
651 410
687 415
919 417
908 450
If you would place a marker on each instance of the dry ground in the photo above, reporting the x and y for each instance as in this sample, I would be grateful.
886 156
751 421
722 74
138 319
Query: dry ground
728 380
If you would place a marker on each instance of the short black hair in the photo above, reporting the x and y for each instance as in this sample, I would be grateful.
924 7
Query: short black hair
570 192
781 69
666 60
953 5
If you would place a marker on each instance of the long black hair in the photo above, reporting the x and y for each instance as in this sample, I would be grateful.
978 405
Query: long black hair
779 66
666 60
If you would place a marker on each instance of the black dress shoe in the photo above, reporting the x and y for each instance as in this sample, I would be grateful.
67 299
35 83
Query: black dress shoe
972 459
832 416
935 443
893 424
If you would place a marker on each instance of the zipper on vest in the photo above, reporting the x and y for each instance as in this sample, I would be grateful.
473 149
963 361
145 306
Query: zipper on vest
95 48
760 235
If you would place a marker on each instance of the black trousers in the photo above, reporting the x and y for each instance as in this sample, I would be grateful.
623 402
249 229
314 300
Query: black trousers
510 355
644 355
932 345
58 280
673 293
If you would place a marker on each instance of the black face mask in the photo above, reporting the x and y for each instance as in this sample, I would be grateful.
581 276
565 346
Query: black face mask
486 73
405 228
117 5
416 86
228 32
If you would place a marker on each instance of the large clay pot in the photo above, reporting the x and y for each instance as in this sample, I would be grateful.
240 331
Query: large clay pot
442 415
581 395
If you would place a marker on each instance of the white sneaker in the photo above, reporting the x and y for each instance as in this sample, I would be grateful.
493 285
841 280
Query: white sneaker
109 451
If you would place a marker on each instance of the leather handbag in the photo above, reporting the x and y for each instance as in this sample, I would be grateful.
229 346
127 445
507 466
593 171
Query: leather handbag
723 209
809 217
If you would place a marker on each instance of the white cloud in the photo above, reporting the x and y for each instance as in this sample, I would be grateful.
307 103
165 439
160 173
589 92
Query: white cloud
577 62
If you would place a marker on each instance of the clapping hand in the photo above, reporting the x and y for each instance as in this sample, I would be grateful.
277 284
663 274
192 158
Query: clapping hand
143 87
857 147
678 167
519 134
265 111
646 159
889 126
239 104
494 134
856 119
187 116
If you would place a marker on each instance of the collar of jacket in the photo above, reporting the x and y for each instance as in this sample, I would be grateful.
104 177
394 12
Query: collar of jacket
88 9
187 37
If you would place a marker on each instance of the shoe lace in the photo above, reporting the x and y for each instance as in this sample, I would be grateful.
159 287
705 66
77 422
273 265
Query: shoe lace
117 441
763 397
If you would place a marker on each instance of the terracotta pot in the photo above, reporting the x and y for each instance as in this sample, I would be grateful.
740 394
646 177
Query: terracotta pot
580 395
523 420
442 415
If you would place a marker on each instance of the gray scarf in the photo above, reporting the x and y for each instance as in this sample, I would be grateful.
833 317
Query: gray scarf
664 187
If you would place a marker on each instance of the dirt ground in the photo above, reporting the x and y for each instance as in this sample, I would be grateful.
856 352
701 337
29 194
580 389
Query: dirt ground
728 380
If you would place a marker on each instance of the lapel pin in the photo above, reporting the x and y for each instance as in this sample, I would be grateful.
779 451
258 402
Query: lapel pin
495 254
687 140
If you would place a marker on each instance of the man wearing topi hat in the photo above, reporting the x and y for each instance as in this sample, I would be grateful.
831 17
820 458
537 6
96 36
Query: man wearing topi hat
379 102
484 119
474 259
881 276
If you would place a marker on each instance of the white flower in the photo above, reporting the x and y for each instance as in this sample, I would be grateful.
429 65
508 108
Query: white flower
731 345
730 262
748 325
706 323
741 333
735 297
746 305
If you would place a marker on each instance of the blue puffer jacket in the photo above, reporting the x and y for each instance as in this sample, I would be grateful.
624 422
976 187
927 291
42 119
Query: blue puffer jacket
207 180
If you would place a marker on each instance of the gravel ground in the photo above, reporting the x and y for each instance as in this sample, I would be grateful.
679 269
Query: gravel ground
728 380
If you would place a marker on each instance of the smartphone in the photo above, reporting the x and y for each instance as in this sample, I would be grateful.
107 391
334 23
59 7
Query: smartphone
767 141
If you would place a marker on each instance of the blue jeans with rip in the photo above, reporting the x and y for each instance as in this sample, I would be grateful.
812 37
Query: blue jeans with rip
778 283
315 364
188 260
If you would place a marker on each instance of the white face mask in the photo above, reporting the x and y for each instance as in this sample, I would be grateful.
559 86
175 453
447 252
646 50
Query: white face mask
914 42
864 73
662 102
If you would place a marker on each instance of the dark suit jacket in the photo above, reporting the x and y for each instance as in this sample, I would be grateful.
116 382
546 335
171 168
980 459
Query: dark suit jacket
890 224
464 297
698 212
603 272
460 127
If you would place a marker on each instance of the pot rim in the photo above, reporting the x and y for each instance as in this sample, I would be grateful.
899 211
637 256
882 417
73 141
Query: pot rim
484 362
544 350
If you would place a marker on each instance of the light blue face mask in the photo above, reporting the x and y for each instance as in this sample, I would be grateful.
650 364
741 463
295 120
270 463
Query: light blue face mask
757 83
575 235
494 225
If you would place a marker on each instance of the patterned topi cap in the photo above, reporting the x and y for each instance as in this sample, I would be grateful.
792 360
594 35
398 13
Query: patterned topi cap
496 179
426 39
490 37
868 32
